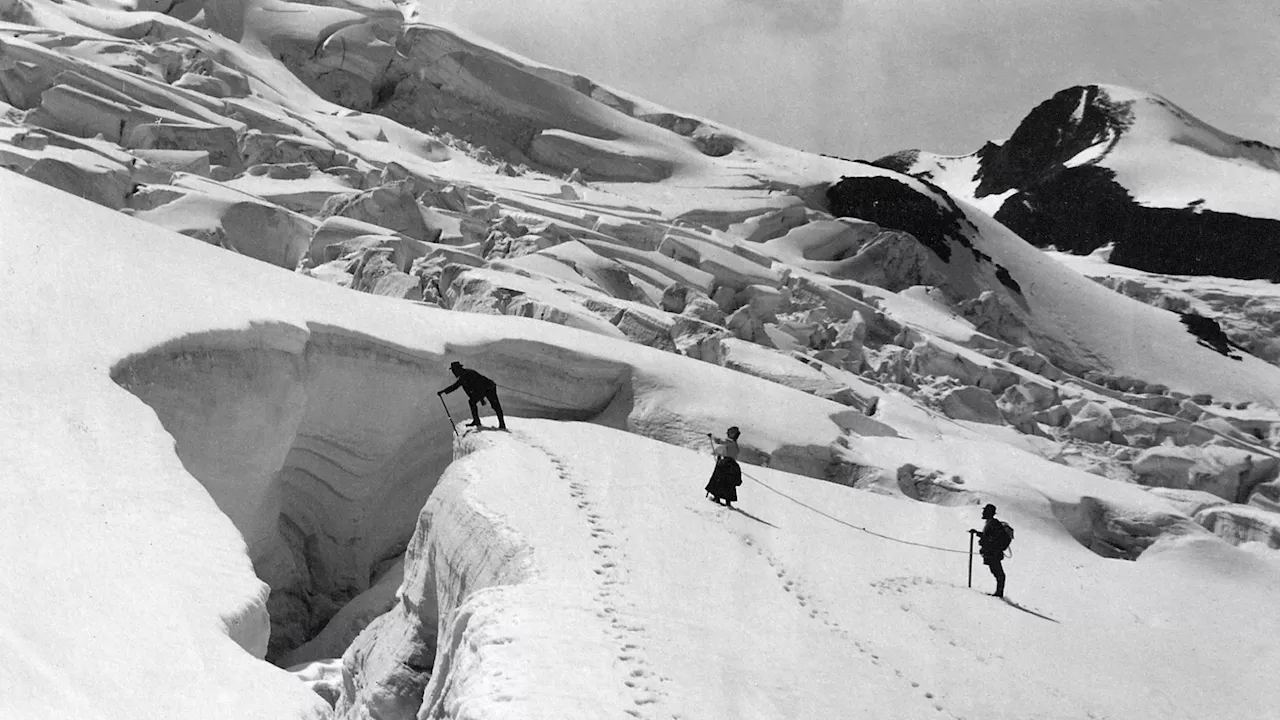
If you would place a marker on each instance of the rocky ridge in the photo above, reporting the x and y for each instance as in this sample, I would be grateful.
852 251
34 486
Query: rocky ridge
1098 166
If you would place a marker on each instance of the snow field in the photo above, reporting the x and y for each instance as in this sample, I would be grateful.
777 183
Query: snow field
286 430
1217 170
259 372
121 575
674 606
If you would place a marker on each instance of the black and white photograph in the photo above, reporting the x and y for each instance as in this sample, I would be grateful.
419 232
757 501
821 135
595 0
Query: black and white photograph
604 359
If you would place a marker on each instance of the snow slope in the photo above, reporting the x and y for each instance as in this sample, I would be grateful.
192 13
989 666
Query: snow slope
128 592
109 283
591 582
1063 314
1249 310
1216 170
223 440
820 601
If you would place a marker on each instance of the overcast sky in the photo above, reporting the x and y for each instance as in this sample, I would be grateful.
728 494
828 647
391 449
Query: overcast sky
863 78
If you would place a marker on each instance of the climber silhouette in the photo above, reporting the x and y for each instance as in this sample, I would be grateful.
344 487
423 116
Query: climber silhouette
727 476
993 539
479 389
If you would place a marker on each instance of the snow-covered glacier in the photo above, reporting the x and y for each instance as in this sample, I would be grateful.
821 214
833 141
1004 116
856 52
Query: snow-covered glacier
252 236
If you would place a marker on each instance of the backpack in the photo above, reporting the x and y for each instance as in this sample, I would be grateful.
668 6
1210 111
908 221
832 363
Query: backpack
1004 544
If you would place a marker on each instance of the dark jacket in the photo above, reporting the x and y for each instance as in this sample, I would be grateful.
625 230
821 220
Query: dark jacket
475 385
993 539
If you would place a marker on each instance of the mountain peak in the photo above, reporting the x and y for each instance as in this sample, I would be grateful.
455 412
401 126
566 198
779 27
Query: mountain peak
1057 130
1104 164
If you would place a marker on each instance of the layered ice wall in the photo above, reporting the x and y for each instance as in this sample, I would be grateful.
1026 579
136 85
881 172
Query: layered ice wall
323 455
320 458
459 551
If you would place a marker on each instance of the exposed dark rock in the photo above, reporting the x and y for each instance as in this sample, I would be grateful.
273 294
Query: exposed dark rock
1209 334
1057 130
1082 207
1002 274
893 203
901 161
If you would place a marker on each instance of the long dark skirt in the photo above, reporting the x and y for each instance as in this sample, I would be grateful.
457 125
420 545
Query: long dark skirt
725 479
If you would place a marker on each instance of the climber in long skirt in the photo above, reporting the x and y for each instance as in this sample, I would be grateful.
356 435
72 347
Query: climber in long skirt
727 476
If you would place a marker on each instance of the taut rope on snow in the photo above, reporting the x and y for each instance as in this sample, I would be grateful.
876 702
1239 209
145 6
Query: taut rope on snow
561 403
851 525
771 489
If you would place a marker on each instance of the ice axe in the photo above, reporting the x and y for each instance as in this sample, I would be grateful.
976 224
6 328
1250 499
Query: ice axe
455 427
970 558
712 439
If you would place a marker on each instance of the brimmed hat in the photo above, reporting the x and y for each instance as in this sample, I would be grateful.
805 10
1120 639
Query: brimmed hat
989 508
455 365
733 431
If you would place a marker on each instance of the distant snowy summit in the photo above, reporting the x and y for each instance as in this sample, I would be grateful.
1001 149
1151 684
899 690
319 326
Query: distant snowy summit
1098 164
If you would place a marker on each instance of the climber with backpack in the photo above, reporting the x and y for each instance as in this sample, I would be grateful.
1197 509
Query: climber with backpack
993 539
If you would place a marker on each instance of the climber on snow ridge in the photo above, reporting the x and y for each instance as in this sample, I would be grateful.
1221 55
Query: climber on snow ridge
479 389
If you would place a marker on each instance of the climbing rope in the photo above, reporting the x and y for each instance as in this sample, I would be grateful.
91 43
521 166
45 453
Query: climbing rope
771 489
851 525
561 403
